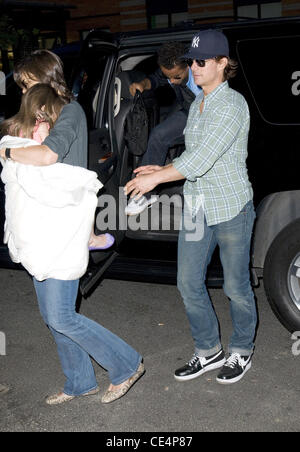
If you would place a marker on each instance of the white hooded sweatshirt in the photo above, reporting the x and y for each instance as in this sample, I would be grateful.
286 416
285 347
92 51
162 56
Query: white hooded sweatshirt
49 215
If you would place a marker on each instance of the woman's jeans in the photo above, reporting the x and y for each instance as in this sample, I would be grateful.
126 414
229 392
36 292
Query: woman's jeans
233 238
78 338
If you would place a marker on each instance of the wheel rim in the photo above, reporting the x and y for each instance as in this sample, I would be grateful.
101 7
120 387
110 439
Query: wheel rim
294 281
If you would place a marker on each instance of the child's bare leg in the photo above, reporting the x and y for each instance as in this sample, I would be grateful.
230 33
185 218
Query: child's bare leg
97 240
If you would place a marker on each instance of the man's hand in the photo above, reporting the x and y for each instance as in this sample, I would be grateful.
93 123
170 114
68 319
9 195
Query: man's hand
147 169
153 175
140 185
141 86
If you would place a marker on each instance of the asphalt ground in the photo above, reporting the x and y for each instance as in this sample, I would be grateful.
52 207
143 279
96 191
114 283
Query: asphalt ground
150 317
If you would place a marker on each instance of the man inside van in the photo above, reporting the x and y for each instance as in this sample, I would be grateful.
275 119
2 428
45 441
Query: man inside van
175 71
214 166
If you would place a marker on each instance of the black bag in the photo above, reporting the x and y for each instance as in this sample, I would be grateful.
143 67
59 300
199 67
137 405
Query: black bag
137 126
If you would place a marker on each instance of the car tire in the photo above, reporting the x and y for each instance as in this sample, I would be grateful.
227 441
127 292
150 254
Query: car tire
282 276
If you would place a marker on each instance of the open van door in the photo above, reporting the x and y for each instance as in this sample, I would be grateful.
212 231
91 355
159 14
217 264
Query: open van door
94 88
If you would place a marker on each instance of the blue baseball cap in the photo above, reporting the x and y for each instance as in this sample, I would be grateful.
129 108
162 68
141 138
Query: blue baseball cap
208 44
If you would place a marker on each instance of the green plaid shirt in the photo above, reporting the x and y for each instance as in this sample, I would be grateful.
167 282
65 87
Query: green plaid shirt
214 162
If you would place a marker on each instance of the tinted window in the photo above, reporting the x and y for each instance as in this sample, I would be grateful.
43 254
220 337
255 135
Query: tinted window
272 69
86 85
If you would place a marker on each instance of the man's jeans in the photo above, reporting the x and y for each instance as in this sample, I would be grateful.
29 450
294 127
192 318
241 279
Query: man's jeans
78 338
233 238
162 137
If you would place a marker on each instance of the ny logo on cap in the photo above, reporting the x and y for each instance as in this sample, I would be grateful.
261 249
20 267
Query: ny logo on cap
196 41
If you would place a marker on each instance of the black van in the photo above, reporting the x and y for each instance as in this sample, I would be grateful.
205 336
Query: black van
269 79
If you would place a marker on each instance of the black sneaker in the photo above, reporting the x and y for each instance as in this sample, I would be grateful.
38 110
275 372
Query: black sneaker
198 365
234 369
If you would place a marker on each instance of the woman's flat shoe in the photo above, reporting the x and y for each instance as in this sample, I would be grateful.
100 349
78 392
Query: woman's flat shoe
110 240
110 396
3 389
61 397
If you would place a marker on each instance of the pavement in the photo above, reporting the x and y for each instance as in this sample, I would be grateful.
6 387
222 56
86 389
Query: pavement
151 318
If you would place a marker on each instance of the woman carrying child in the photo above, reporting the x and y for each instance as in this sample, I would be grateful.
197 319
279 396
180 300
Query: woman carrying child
76 336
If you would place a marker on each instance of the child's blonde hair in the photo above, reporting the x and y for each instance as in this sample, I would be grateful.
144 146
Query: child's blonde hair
40 101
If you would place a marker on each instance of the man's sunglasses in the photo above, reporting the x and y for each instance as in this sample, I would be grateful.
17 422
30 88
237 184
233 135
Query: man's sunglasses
200 63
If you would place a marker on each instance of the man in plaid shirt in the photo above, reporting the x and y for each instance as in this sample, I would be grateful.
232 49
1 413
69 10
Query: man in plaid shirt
220 197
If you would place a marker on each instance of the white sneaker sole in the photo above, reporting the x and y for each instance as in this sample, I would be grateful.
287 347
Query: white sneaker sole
143 207
208 368
236 379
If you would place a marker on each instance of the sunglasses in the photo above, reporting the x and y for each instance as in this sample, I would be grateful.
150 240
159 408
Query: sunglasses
200 63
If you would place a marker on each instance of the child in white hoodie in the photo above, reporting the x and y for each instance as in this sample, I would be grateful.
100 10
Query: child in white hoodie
40 108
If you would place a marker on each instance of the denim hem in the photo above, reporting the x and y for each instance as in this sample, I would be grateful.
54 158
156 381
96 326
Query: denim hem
122 379
206 353
81 393
240 351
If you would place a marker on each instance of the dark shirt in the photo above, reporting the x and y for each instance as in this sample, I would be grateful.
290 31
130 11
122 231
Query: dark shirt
184 95
68 138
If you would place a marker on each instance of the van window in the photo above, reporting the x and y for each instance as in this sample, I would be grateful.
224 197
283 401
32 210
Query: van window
272 70
86 85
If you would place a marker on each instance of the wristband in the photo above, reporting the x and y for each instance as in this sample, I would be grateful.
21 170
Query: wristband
7 154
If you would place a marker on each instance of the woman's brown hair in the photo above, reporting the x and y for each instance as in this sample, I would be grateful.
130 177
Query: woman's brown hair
43 66
40 100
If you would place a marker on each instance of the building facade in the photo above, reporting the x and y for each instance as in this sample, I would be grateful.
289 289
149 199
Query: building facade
47 24
128 15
